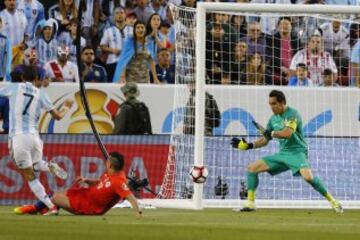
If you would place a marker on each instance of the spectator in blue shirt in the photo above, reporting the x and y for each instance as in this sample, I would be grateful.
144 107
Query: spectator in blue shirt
165 71
91 71
301 79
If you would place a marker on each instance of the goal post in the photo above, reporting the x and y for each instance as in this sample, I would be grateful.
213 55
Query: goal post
199 102
330 115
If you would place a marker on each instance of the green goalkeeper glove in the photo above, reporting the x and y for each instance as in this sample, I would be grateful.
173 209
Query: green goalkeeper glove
241 144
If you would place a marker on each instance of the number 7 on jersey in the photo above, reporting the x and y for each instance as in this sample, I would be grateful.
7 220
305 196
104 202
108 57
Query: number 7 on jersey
31 97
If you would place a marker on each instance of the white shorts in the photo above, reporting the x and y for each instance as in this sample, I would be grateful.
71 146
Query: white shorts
26 149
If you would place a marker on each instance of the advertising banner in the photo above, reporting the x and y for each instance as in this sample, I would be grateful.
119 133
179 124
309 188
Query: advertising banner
80 155
325 111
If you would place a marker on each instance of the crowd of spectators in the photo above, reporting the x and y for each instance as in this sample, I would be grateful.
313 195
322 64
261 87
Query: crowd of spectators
134 41
283 50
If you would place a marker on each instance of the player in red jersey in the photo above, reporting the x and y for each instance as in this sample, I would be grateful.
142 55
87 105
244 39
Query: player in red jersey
96 199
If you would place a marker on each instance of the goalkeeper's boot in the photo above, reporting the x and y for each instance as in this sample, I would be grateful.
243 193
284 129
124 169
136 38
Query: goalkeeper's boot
249 207
57 170
52 211
26 209
337 206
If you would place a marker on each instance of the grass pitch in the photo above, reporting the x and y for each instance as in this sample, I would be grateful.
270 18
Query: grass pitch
219 224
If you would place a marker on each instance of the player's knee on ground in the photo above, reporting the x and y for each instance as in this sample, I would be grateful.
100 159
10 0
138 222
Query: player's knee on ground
61 200
56 198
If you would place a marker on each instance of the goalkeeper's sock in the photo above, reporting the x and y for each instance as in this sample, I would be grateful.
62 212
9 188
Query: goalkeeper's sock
251 196
318 185
38 189
252 183
329 197
252 180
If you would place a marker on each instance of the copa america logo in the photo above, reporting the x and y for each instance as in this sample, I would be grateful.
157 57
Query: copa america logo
103 107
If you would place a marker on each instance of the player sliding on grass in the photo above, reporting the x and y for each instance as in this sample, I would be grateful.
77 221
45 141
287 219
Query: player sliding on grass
27 99
286 125
101 195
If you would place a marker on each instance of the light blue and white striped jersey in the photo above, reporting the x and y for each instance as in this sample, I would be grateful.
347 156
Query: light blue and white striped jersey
46 51
26 102
34 13
14 26
5 57
114 38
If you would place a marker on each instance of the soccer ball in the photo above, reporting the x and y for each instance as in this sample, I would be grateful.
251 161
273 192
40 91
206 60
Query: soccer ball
199 174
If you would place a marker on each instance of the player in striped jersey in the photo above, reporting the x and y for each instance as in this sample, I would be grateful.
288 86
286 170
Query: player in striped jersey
34 13
113 39
26 102
46 44
5 55
14 23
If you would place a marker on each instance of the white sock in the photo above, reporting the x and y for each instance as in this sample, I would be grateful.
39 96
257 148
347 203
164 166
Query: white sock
41 166
38 189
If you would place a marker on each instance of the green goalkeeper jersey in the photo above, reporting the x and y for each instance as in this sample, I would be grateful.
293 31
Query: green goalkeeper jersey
292 119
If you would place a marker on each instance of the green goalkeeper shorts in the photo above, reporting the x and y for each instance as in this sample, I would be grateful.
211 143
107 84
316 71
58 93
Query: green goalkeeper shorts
283 161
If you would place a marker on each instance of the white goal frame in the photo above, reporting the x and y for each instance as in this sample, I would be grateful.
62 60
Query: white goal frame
202 8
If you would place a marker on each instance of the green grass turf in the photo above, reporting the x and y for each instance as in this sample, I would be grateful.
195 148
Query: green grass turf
265 224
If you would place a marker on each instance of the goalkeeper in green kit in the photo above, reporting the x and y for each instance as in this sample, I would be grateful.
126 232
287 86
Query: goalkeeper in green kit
285 125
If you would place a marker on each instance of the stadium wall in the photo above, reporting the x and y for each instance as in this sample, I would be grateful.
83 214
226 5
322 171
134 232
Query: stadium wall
325 111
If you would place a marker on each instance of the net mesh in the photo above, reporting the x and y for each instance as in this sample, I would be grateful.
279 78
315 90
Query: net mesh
241 51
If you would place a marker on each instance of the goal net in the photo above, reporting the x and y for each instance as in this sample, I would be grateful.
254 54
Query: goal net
234 55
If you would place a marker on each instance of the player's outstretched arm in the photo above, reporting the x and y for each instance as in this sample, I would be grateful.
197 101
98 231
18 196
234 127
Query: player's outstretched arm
261 142
131 198
59 114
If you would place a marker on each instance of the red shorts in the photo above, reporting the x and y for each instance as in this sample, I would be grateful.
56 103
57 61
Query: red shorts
79 201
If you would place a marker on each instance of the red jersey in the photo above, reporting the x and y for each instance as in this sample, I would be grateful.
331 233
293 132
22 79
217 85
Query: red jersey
99 198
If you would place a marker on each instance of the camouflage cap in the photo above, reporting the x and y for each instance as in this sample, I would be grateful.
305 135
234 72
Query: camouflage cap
130 89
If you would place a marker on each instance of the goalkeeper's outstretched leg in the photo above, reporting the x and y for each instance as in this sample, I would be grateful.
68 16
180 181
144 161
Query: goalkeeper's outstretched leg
319 186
